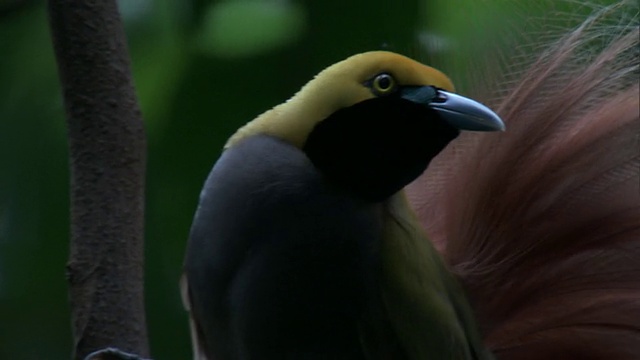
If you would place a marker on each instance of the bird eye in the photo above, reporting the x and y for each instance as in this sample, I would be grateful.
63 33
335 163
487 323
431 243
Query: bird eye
383 84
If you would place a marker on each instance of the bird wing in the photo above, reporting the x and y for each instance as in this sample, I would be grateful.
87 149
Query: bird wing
427 308
196 335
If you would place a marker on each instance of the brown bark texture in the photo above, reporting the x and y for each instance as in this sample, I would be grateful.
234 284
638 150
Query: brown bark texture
107 160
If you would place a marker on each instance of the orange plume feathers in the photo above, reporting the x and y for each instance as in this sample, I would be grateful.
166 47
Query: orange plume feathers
542 223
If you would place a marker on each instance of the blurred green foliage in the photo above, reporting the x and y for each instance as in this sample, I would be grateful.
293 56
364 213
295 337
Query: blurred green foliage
273 24
202 69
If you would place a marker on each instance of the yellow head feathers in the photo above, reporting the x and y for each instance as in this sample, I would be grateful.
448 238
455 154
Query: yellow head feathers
338 86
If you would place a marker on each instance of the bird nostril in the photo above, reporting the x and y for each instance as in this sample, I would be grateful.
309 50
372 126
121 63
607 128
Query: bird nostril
440 97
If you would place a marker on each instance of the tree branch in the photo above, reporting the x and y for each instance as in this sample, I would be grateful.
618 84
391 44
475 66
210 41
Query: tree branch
107 158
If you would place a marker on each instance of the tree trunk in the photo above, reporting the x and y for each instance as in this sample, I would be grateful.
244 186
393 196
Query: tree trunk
107 158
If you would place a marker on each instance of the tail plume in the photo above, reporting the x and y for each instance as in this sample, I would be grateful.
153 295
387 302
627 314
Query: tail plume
542 223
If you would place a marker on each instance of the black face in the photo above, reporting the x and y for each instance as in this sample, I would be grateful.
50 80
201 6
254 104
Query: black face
378 146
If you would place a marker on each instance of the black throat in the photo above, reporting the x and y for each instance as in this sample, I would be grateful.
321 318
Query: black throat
376 147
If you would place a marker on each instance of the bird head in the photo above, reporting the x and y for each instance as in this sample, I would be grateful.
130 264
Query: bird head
372 122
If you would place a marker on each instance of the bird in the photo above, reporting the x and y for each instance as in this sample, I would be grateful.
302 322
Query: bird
378 214
303 245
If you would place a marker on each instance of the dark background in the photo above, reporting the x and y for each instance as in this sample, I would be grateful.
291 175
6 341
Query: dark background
202 69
